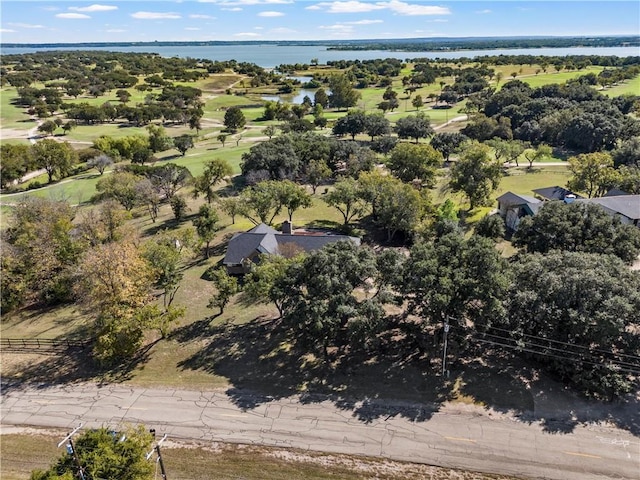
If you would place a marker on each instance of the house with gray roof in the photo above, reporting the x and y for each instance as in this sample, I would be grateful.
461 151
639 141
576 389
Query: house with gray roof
246 247
513 207
554 193
624 207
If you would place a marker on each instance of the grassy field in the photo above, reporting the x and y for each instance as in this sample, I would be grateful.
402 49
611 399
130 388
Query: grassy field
21 453
12 116
631 87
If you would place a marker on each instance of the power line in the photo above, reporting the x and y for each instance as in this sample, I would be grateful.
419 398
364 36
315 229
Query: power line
635 357
523 349
546 347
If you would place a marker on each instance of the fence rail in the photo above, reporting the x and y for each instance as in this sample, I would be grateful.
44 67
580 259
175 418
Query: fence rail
41 344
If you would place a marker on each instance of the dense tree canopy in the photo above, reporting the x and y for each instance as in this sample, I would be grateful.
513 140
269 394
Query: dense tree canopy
577 314
577 227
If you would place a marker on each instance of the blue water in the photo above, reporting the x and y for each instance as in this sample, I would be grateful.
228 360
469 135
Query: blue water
270 56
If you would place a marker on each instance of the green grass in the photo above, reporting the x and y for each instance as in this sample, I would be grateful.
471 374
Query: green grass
75 190
522 181
46 324
631 87
12 116
552 77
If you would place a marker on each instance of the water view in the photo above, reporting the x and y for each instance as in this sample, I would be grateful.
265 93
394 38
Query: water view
270 56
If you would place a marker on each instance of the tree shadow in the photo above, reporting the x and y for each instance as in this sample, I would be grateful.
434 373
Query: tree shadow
69 367
508 384
263 363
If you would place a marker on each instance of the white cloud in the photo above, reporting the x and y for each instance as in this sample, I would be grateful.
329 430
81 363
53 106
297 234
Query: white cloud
247 2
156 15
72 16
350 6
94 8
26 25
198 15
338 27
271 14
402 8
115 30
396 6
483 12
363 22
6 30
192 29
233 9
50 9
246 34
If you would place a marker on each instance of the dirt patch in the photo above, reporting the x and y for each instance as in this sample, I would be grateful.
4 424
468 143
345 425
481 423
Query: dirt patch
13 133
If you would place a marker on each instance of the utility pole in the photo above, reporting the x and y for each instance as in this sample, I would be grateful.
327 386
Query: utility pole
157 450
444 349
71 449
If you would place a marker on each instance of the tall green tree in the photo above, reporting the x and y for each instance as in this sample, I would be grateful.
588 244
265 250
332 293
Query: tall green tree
226 287
463 280
215 170
104 454
56 158
342 95
183 143
537 154
400 208
316 172
376 125
262 202
206 224
234 119
114 283
293 197
121 186
410 162
476 174
323 303
447 143
159 141
353 123
414 126
264 283
16 161
39 253
164 259
345 197
590 173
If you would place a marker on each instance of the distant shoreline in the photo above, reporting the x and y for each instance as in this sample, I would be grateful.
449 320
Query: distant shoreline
404 44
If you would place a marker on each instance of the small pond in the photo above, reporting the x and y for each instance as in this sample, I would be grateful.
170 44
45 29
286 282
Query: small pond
294 98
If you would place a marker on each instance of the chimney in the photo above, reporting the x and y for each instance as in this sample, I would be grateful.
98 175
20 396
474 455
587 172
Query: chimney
287 228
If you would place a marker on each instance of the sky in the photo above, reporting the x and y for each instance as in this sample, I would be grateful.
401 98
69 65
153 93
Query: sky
60 21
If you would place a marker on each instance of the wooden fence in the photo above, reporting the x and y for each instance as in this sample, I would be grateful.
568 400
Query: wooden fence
41 344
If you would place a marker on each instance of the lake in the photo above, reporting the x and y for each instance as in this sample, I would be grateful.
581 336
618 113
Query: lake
270 56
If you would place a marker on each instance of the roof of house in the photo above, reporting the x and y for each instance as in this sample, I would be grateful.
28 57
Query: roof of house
510 198
554 193
615 192
627 205
264 239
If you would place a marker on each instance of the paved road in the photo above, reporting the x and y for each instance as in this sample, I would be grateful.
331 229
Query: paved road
458 436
